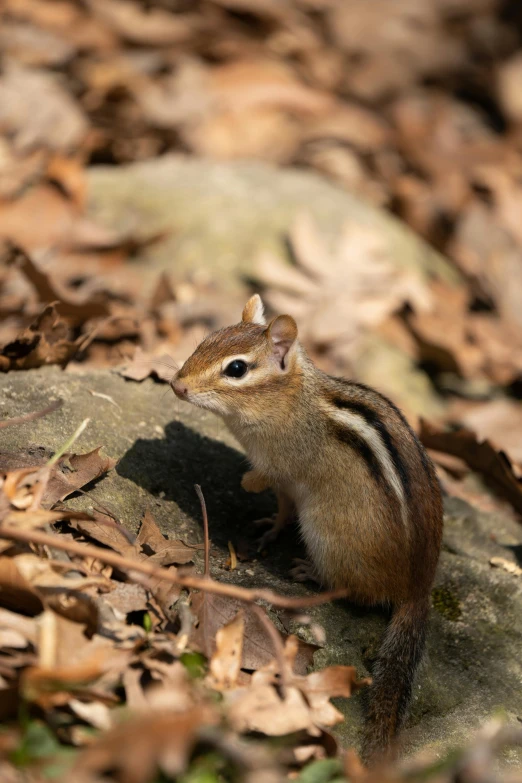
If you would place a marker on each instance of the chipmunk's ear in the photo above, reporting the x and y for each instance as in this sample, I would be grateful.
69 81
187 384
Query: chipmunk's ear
282 334
253 312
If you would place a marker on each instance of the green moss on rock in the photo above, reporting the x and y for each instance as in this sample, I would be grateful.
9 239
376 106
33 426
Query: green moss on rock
446 603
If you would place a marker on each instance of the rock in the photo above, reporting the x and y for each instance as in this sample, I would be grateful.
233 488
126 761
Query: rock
473 665
220 215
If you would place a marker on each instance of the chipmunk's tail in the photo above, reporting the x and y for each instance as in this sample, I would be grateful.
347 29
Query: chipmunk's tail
393 676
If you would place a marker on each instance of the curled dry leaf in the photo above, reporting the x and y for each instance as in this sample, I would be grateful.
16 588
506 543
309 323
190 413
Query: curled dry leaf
494 466
144 365
225 663
67 304
159 549
46 341
70 663
83 468
30 487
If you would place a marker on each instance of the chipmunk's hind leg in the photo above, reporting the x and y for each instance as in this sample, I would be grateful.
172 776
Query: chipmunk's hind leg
285 514
304 571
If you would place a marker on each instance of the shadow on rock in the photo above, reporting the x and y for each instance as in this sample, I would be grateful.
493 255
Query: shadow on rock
169 467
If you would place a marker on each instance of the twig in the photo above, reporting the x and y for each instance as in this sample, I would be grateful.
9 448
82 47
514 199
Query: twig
67 445
277 642
208 585
32 416
206 539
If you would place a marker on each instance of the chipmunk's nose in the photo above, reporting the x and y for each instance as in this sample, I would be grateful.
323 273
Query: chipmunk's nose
179 389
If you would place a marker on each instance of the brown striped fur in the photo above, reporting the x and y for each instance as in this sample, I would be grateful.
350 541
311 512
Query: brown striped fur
367 498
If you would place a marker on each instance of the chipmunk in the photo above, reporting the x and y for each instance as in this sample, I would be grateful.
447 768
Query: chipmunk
343 458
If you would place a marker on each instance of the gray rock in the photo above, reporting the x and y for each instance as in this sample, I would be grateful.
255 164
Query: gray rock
220 215
473 666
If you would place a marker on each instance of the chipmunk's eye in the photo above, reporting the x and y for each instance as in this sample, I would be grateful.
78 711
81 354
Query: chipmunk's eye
236 369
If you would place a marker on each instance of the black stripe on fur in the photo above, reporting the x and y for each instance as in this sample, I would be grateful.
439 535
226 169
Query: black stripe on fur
375 421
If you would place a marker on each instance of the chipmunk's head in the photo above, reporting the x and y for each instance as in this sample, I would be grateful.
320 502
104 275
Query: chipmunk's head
241 370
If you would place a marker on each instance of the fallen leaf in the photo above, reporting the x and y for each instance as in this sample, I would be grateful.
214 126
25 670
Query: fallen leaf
67 304
108 532
506 565
160 550
492 465
83 469
37 110
499 421
144 744
144 366
359 278
213 612
225 663
45 341
306 705
16 593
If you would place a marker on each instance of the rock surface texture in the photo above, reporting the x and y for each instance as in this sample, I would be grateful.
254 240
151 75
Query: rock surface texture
473 666
220 215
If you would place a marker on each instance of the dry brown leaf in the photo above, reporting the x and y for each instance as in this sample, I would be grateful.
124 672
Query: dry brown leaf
260 708
83 468
492 465
154 26
306 705
36 110
499 421
16 593
359 279
225 663
159 549
73 307
144 744
144 366
44 484
213 612
108 532
69 662
46 341
46 576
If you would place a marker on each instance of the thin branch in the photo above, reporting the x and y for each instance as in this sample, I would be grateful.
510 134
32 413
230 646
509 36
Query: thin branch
32 416
207 585
199 492
278 645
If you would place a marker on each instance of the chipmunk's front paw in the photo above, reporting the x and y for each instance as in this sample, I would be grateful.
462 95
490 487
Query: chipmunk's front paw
253 481
303 571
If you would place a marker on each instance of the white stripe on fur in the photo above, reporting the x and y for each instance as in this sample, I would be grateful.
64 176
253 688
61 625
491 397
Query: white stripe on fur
359 425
